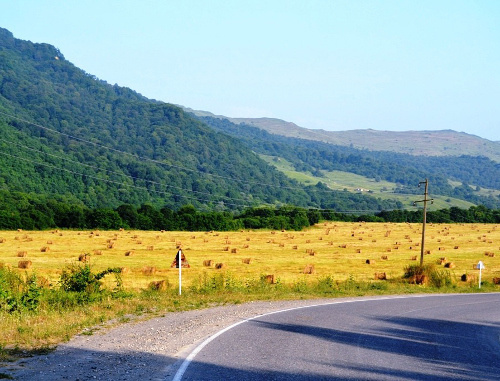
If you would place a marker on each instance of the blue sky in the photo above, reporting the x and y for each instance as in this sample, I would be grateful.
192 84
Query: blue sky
336 65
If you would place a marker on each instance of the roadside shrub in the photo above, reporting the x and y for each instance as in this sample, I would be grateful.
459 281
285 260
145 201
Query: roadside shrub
223 281
81 279
18 294
427 273
327 285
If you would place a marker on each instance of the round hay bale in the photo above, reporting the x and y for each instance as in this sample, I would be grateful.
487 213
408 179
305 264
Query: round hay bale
84 257
269 279
309 269
149 270
220 266
24 264
158 285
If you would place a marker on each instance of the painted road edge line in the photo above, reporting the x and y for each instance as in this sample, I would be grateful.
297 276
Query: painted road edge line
182 369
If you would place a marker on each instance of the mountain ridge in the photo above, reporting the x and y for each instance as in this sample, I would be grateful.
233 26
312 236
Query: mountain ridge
445 142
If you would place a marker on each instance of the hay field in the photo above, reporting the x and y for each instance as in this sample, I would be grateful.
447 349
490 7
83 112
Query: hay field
334 248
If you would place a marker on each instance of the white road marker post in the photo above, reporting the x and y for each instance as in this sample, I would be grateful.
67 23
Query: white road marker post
480 267
179 263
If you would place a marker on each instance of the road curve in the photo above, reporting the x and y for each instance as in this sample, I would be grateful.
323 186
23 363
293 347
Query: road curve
430 337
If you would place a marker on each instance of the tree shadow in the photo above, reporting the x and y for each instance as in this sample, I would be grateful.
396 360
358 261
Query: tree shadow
445 349
449 347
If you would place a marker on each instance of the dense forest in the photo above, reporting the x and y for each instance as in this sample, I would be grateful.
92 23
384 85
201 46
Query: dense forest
404 170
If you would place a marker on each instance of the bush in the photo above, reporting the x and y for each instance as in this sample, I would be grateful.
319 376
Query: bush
82 279
17 294
427 274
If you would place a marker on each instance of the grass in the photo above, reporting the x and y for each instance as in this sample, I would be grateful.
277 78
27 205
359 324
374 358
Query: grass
339 180
340 250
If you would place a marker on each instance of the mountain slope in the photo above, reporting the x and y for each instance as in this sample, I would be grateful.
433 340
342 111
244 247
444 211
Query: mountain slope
68 134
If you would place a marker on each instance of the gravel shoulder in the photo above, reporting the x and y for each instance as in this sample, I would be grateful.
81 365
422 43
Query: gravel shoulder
146 350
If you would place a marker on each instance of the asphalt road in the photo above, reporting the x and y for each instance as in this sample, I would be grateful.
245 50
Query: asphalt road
435 337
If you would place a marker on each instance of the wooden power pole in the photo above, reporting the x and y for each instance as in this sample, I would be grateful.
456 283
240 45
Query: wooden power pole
425 200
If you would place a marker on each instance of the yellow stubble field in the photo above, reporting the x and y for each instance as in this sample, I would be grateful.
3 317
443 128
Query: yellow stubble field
338 249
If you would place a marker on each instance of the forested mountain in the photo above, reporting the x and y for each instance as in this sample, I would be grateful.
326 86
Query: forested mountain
403 169
66 134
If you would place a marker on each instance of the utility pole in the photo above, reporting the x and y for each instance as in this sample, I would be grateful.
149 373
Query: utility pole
425 200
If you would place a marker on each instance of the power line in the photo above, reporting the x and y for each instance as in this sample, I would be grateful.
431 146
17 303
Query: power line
153 160
116 182
156 162
116 173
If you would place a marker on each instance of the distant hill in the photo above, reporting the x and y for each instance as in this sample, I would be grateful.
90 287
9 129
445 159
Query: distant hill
426 143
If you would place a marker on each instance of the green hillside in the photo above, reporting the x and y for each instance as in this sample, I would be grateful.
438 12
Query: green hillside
71 136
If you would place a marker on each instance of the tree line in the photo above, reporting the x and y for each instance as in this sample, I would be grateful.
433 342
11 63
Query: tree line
20 211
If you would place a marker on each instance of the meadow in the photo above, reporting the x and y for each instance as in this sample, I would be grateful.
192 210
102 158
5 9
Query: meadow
327 260
336 249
